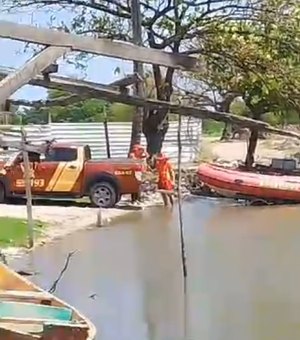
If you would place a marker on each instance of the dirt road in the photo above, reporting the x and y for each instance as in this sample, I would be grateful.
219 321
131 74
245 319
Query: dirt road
266 149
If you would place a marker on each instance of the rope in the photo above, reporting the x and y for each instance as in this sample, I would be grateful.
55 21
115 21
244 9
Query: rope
180 215
183 257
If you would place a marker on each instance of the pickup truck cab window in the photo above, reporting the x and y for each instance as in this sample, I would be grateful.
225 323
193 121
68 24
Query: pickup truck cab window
61 155
32 156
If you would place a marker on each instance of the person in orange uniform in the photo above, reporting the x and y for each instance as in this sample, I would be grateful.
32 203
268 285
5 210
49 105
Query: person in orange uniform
166 179
139 153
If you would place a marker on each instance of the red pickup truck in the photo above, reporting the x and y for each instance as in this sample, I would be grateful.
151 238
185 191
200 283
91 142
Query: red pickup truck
67 171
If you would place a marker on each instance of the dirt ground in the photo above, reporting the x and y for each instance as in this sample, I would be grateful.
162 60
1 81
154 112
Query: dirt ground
62 220
213 149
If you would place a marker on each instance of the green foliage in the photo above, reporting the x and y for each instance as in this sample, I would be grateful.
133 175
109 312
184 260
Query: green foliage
35 116
121 112
212 128
259 61
238 107
90 110
271 118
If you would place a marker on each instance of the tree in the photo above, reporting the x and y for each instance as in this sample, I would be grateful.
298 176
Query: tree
257 61
90 110
170 24
121 112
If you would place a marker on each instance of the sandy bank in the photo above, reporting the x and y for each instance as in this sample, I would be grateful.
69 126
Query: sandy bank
64 220
274 147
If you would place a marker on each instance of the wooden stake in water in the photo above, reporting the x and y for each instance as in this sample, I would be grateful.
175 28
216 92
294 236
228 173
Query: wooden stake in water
99 218
182 243
27 178
105 124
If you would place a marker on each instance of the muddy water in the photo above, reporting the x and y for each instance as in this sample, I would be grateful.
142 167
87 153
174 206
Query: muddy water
243 274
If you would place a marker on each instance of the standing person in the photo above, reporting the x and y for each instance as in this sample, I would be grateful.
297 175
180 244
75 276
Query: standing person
166 179
138 153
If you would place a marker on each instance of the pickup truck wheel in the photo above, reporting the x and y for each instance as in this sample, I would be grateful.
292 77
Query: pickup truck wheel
2 194
103 195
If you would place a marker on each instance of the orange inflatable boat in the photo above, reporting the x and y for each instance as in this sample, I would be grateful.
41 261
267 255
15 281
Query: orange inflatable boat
237 183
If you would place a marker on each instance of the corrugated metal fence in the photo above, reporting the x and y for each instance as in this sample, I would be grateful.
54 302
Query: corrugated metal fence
119 137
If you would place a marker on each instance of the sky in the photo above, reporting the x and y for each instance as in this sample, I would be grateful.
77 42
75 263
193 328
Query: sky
99 69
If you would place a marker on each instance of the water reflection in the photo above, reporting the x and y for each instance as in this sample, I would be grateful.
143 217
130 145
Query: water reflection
243 274
161 276
247 275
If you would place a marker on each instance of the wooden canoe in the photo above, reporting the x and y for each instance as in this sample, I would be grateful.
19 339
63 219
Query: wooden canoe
244 184
29 313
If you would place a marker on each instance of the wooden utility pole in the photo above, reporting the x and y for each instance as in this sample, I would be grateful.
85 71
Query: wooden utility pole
27 178
137 122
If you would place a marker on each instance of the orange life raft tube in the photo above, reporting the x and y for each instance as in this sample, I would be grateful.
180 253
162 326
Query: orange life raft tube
237 183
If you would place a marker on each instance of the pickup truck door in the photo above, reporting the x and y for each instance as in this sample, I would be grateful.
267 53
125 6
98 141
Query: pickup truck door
15 175
39 175
66 164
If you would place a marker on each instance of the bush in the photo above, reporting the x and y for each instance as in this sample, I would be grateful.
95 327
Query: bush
212 127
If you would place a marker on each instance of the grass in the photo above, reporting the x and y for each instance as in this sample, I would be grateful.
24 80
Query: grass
14 232
212 128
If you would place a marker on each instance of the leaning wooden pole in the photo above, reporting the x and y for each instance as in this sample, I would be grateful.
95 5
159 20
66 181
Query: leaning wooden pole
31 69
27 178
92 90
180 216
104 47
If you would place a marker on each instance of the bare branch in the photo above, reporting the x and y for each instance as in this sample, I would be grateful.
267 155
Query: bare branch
56 282
158 14
119 11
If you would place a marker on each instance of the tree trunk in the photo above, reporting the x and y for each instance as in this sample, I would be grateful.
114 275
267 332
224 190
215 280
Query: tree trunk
155 127
155 142
226 133
251 148
156 122
136 127
225 107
